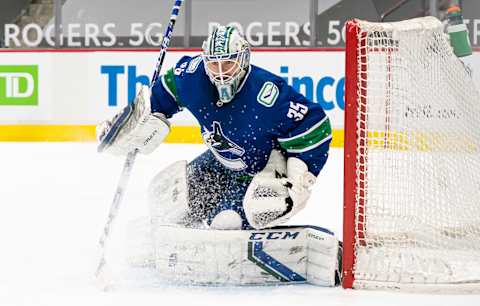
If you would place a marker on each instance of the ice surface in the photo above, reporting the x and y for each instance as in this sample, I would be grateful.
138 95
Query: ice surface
54 199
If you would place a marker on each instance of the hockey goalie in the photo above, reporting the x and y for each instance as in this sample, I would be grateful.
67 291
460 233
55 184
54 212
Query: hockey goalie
217 219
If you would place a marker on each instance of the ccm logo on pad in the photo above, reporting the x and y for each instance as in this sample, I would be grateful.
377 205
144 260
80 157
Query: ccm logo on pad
273 235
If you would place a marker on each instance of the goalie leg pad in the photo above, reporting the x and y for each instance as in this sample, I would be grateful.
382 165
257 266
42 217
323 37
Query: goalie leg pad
250 257
168 195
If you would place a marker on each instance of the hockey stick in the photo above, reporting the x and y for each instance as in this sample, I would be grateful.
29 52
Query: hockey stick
102 273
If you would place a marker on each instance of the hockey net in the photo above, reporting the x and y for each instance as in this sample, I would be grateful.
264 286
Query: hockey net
412 160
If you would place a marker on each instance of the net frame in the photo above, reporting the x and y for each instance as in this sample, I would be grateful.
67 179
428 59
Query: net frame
356 156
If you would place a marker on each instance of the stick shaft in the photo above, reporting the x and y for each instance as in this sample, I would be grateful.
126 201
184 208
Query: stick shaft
166 40
114 208
130 159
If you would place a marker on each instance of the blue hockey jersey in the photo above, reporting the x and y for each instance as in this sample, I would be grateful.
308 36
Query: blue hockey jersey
265 114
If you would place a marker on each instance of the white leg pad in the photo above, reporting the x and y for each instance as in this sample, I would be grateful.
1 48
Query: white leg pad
168 194
322 258
254 257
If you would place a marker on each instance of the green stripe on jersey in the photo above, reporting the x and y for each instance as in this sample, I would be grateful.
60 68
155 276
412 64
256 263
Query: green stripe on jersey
168 81
308 140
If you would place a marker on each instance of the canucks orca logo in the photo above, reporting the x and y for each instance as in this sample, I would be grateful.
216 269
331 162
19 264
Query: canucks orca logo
225 150
221 143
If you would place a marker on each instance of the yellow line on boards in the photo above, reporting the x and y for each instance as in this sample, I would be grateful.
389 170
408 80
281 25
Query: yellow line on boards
184 134
179 134
47 132
337 139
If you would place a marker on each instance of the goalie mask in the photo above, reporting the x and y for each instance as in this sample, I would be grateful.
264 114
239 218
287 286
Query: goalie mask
226 55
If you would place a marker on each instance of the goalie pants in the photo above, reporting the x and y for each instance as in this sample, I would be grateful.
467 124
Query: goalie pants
213 189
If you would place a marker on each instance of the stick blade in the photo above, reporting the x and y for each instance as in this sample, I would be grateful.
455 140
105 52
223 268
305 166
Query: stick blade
104 277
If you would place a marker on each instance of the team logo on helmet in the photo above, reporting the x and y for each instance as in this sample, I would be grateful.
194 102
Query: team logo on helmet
220 41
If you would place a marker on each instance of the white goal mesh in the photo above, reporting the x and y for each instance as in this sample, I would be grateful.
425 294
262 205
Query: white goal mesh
412 159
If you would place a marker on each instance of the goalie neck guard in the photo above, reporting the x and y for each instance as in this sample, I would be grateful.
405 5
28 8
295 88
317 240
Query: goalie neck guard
226 55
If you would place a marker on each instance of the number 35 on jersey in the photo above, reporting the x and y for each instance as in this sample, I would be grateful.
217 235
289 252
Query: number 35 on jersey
297 111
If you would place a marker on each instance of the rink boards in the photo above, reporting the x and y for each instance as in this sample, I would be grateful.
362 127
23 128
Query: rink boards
60 95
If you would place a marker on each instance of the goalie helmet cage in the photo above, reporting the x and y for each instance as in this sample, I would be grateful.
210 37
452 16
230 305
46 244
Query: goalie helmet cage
412 161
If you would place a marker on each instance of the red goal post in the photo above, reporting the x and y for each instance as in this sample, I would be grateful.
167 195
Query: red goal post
350 151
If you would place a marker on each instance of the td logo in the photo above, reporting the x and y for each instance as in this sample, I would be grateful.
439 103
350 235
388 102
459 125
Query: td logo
19 85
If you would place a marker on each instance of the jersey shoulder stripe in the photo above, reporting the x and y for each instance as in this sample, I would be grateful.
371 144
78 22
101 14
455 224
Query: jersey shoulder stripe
168 82
308 140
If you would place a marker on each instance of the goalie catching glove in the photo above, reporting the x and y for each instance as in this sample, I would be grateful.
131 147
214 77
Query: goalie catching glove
135 128
278 192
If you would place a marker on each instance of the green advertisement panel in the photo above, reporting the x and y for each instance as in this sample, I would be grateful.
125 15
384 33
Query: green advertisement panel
18 85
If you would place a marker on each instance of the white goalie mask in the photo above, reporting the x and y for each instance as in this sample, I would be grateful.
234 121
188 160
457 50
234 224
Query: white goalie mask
226 55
